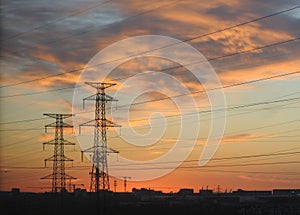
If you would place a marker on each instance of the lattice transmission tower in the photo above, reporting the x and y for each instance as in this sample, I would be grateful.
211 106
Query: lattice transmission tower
99 172
58 175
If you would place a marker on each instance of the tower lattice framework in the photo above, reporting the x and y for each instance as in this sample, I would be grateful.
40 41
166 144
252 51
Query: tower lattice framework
99 173
58 175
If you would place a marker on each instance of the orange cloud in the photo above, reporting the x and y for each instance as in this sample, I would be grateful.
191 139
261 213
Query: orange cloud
259 71
238 138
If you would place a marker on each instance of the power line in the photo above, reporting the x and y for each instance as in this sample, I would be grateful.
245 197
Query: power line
105 26
11 144
176 43
221 109
248 164
262 136
82 11
249 139
275 158
267 126
199 36
205 170
206 112
180 167
22 121
212 166
38 129
257 155
212 159
251 172
185 161
22 129
35 93
244 23
232 115
17 142
217 88
234 107
166 69
228 135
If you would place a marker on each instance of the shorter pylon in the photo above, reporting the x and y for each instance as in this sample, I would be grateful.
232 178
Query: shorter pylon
58 175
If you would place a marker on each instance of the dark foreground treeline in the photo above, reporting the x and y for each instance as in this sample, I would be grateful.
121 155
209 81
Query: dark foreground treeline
67 203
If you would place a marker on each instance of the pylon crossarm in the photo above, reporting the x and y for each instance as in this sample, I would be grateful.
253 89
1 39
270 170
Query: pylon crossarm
109 98
90 98
109 123
110 150
88 149
66 142
91 149
51 125
67 159
88 123
70 177
94 97
105 97
62 158
61 115
98 85
66 125
49 159
47 176
51 142
54 125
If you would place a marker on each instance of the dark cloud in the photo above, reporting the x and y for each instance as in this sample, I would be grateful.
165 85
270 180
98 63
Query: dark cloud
224 12
69 34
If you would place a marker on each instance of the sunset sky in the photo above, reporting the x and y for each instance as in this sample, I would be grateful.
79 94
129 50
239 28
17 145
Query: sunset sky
253 46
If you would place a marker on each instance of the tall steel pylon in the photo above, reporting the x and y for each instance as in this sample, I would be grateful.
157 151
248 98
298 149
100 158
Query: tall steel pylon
58 175
99 172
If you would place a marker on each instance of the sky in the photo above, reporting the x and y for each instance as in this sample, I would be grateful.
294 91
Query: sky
50 48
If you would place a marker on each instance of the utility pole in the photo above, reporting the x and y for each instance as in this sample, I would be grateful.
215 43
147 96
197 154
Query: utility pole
115 185
58 175
99 173
125 182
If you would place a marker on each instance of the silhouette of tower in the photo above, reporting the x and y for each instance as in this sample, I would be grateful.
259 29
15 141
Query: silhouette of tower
99 173
58 175
125 182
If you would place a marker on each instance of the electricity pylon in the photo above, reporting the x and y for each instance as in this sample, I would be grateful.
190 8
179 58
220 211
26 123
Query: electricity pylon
58 175
125 182
99 173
